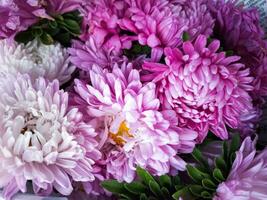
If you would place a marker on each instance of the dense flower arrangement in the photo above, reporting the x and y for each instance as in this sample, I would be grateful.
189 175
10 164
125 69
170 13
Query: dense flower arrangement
132 99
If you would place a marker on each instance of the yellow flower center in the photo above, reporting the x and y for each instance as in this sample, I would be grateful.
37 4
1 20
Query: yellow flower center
123 132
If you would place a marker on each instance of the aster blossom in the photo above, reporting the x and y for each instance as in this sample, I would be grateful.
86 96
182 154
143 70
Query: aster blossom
247 179
36 60
42 141
19 15
101 23
132 131
206 89
240 31
85 55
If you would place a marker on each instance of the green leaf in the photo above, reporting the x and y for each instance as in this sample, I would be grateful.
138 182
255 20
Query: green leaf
155 189
180 193
206 195
176 180
135 187
24 37
114 186
36 32
72 25
217 174
235 144
196 190
208 184
46 39
144 175
53 24
199 157
165 181
166 193
196 174
229 53
221 164
143 197
225 150
186 36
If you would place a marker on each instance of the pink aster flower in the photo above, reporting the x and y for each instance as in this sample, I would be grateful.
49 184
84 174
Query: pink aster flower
206 89
248 177
55 7
41 140
132 132
239 30
196 15
85 55
101 23
155 23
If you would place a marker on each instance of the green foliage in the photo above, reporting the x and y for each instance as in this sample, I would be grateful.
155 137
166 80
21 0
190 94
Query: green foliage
146 188
186 37
200 183
63 29
137 50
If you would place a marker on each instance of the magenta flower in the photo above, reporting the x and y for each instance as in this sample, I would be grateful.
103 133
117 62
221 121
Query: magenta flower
248 177
101 23
239 30
132 132
206 89
196 15
155 23
41 140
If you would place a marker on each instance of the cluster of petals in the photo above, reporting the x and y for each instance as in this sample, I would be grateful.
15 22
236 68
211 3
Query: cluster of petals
240 31
19 15
248 176
131 130
207 89
41 139
36 59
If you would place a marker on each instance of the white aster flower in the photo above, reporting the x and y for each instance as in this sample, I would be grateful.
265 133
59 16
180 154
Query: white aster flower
36 59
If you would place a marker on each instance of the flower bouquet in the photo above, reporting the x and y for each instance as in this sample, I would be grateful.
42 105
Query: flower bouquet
132 99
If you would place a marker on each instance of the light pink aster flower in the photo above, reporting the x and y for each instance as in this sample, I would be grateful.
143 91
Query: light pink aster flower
206 89
132 132
41 140
248 177
85 55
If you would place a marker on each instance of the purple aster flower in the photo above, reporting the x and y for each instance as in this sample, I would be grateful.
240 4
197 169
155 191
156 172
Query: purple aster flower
206 89
248 177
132 132
239 30
17 15
42 141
